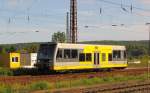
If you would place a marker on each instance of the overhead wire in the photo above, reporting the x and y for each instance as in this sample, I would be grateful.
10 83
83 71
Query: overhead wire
126 5
100 11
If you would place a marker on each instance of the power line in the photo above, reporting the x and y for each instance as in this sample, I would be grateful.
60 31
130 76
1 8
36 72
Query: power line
120 4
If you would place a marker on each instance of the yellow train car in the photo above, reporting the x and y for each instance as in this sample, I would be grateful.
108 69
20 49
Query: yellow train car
10 60
61 56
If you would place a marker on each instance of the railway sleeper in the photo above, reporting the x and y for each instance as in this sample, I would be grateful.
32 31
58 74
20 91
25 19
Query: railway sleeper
126 89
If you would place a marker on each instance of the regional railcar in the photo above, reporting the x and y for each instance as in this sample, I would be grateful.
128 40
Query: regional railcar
61 56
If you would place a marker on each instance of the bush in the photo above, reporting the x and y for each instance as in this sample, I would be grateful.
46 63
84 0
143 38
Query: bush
42 85
5 72
108 79
63 84
5 89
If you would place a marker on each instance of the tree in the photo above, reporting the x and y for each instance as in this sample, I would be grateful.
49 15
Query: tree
59 37
32 49
11 49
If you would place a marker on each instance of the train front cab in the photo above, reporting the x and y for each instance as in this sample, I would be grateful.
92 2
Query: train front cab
45 56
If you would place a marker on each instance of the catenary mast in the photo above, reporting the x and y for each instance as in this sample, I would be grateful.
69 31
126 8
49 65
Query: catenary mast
73 21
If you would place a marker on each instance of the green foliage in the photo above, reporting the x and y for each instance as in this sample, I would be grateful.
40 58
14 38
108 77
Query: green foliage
5 89
5 72
1 64
11 49
62 84
25 48
59 37
42 85
108 79
97 80
15 88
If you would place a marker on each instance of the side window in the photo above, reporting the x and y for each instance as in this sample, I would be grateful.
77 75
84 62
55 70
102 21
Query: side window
117 54
74 53
125 55
82 57
59 53
66 53
103 57
15 59
88 57
110 57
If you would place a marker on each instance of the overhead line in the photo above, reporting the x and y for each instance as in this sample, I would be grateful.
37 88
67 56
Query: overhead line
119 4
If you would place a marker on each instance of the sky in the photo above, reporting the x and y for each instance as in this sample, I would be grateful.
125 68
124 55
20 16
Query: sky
21 19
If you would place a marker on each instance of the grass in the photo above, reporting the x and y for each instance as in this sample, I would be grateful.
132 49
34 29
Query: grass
143 59
41 85
18 88
44 85
5 72
98 80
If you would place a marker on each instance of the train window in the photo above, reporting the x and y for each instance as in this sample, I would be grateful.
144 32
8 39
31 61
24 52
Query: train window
74 53
125 54
117 54
14 59
66 53
82 57
59 53
110 56
88 57
103 57
46 51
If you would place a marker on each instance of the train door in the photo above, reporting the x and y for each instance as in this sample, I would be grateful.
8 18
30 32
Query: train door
96 59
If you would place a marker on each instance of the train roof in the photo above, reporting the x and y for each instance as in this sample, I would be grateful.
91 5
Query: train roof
79 44
69 45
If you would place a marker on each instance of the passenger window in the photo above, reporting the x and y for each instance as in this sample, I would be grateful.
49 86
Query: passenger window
125 55
59 53
16 59
74 53
13 59
103 57
82 57
66 53
88 57
110 57
117 54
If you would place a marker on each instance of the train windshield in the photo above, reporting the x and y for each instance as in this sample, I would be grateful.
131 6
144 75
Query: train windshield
46 51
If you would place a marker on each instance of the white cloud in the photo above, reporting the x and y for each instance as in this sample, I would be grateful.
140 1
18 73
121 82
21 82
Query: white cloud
87 13
145 1
13 2
143 13
87 1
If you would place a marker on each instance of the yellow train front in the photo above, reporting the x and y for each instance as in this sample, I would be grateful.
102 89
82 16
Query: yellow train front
61 56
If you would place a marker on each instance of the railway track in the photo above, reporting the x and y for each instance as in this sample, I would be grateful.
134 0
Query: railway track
136 88
125 87
70 76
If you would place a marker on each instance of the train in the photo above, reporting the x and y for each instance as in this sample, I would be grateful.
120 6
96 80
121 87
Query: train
65 56
18 60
